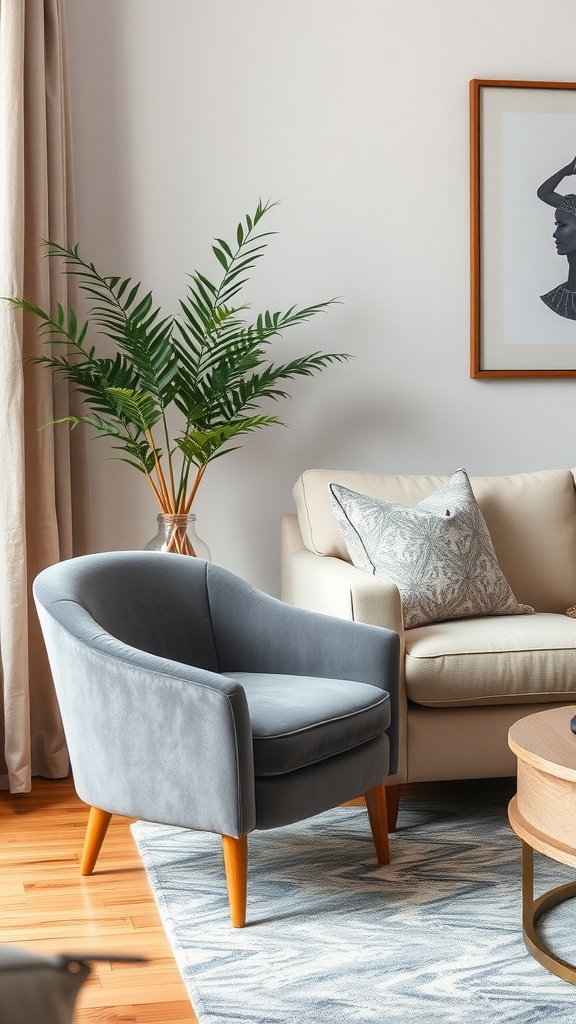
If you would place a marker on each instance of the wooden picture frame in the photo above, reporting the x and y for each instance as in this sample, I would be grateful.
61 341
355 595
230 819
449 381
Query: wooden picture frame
522 158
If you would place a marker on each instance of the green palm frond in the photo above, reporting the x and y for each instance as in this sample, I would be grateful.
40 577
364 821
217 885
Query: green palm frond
137 407
209 364
203 446
128 319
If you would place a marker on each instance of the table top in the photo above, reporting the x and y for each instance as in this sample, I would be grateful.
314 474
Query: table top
546 741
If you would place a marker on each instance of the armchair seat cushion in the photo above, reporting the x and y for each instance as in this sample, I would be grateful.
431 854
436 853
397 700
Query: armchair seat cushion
298 721
492 660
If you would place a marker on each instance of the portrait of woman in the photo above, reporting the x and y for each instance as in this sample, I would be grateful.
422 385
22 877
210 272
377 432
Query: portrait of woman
562 299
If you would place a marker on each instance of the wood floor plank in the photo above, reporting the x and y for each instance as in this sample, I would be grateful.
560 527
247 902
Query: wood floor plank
46 906
152 1013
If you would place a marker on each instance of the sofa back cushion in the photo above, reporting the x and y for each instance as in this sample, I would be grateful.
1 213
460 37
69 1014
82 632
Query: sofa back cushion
531 518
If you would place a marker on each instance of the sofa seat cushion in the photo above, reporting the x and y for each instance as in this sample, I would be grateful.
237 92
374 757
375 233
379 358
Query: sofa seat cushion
493 660
300 720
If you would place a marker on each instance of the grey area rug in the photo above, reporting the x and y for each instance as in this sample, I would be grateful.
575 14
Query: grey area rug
332 937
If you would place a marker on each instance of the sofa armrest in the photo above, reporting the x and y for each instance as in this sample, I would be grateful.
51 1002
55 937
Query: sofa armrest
335 587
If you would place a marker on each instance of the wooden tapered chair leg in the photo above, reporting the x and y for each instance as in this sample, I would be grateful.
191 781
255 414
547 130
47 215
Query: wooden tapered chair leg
236 866
376 805
392 805
98 822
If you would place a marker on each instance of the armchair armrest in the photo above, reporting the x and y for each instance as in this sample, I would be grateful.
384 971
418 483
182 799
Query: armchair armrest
330 585
159 740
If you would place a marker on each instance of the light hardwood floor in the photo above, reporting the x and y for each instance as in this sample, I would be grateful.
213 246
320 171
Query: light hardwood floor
47 906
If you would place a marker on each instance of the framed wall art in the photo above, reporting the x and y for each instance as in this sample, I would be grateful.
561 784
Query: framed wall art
523 228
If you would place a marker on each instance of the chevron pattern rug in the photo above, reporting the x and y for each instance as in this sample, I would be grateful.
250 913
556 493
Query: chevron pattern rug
334 938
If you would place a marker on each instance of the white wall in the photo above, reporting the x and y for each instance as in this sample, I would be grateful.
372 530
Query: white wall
355 116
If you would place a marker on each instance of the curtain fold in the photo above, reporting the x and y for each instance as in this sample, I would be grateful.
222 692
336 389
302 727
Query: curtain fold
44 502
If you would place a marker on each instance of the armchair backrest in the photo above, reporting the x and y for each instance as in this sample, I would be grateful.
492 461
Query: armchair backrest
531 518
155 602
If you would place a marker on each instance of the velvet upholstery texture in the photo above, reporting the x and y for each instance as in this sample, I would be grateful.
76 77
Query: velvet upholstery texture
189 697
297 721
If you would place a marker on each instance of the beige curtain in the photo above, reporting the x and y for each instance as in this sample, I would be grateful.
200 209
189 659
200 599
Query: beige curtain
43 479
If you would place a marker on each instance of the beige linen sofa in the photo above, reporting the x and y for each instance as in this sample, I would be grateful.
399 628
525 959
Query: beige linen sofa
464 681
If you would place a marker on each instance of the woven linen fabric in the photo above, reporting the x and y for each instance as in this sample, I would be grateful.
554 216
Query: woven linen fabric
438 553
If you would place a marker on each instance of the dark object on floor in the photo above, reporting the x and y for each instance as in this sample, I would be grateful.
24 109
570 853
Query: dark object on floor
37 989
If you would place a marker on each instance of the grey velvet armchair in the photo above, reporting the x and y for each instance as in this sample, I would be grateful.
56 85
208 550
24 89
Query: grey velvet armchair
189 697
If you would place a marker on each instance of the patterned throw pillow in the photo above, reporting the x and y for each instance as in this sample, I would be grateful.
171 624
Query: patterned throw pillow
438 553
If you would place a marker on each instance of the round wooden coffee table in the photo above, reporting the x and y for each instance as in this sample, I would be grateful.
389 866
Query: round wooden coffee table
543 815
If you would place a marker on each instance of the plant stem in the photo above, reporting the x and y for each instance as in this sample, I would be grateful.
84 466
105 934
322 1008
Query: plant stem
178 540
157 494
181 505
170 464
161 479
195 487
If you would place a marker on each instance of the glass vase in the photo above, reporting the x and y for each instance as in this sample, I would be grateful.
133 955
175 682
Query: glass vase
177 533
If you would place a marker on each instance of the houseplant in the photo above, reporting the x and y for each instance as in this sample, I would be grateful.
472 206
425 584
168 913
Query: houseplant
208 365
